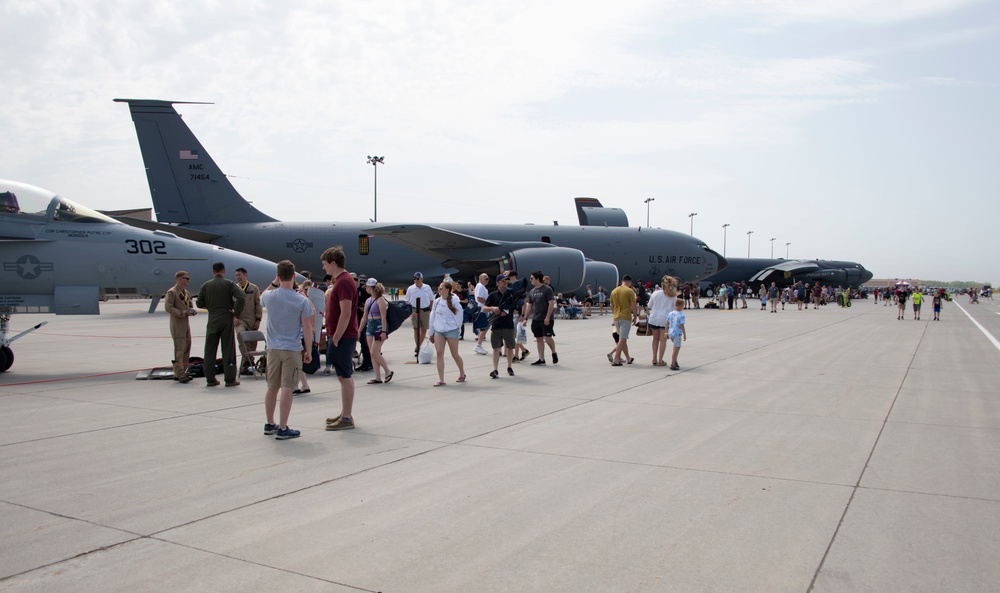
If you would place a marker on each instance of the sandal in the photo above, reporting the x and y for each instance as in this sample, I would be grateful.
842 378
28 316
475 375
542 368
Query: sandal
374 382
440 384
461 379
389 376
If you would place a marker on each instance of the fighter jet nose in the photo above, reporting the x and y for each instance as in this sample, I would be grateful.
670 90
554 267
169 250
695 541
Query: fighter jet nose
259 270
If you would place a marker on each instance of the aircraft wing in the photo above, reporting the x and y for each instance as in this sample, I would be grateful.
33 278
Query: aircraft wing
435 241
786 269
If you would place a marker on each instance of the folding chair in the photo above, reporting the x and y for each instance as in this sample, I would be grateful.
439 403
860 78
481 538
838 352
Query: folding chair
258 367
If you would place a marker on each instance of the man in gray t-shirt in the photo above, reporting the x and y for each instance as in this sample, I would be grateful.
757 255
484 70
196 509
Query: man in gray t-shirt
289 323
540 307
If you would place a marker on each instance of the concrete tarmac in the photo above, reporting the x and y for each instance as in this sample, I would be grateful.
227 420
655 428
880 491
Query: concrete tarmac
830 450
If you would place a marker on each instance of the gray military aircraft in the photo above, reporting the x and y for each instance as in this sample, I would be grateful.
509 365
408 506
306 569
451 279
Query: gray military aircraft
190 193
756 271
63 258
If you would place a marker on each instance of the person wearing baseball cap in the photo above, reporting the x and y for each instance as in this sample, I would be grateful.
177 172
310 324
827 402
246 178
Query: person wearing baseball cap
420 297
501 304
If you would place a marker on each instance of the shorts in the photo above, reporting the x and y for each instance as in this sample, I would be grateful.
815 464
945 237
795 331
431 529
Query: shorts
480 321
916 307
283 368
624 326
540 330
451 334
501 337
421 319
373 328
656 327
343 356
677 340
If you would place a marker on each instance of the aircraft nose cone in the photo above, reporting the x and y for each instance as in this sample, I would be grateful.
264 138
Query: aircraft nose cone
723 264
259 271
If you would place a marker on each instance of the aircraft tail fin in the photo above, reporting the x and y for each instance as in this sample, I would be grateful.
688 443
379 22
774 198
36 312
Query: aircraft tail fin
590 212
186 185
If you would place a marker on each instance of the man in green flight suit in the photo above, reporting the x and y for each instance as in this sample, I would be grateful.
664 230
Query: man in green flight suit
224 301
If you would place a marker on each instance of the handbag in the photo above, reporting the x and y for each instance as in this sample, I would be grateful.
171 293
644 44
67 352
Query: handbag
642 325
396 312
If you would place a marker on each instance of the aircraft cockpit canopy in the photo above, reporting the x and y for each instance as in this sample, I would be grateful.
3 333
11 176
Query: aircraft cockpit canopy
29 202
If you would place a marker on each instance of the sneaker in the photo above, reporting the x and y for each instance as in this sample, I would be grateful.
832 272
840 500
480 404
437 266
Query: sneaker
286 433
325 371
480 350
494 374
341 424
555 358
538 363
675 367
270 429
510 371
525 354
611 357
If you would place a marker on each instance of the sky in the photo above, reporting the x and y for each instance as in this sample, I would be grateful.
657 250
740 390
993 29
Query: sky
858 130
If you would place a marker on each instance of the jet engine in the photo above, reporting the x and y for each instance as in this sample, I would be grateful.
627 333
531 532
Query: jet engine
564 265
597 274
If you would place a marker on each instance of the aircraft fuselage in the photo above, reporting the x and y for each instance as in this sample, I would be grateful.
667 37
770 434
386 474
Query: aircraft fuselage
646 254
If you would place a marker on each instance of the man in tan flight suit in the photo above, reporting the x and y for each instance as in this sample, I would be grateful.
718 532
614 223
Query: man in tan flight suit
177 302
249 319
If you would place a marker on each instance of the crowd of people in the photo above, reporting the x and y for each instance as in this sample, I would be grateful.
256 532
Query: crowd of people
347 310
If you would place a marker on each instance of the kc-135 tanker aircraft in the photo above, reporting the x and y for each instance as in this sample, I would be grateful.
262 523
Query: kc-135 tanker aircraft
63 258
193 198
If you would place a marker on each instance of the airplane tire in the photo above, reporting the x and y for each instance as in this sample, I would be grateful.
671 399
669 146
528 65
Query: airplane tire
6 358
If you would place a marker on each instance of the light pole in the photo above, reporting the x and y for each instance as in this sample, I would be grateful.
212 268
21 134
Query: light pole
691 216
648 200
772 247
786 250
724 239
375 161
748 242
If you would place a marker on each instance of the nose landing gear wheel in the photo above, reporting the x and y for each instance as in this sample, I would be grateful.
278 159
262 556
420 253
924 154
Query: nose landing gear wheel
6 358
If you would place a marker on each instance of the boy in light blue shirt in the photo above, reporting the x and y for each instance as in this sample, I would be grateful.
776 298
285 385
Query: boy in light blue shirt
676 331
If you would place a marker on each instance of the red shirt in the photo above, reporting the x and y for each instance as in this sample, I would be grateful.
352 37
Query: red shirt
344 289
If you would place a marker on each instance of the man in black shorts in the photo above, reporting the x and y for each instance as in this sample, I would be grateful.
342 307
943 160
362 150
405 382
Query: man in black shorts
540 308
501 304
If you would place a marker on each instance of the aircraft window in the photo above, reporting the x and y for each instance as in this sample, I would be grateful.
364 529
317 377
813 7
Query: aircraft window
23 199
546 239
362 244
66 211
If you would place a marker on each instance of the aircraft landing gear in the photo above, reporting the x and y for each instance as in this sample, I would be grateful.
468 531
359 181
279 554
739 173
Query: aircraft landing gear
6 358
6 354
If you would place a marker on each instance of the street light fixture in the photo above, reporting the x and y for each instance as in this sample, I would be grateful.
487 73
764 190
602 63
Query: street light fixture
648 200
772 247
691 216
375 161
786 250
724 239
748 242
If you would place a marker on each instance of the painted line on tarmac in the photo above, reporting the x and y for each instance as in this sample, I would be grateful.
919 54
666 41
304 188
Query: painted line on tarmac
40 381
981 328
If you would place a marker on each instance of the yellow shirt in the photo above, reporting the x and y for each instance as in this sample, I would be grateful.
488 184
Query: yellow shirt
622 299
